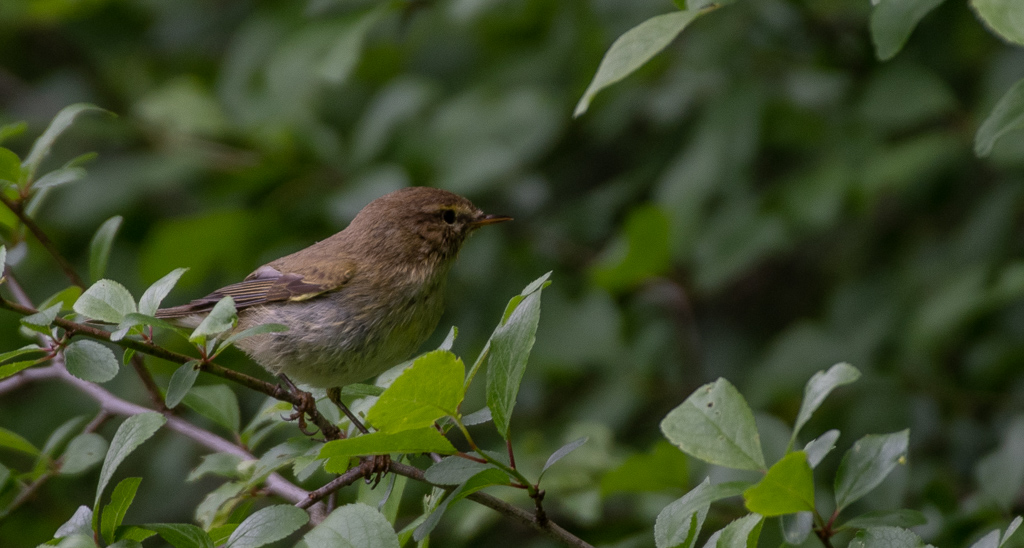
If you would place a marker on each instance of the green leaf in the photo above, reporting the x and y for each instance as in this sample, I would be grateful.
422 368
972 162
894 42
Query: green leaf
867 463
479 416
787 488
664 467
59 177
818 388
135 319
362 390
181 382
261 329
510 346
892 21
817 448
634 48
222 318
267 525
449 339
27 349
561 453
1011 529
1000 473
65 297
13 441
12 130
3 261
454 471
120 500
279 456
8 369
428 390
106 301
356 525
715 424
216 402
1007 116
99 248
479 481
44 143
59 438
79 524
641 254
181 535
741 533
40 321
904 517
129 436
10 167
679 523
889 537
344 54
84 451
154 294
1004 17
424 440
219 464
91 361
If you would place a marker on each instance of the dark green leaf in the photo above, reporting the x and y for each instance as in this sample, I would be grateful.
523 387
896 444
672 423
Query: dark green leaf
106 301
741 533
796 527
346 51
219 464
59 438
267 525
560 453
216 402
641 254
1007 116
135 319
361 390
819 387
787 488
634 48
424 440
479 481
510 346
715 425
356 525
479 416
867 463
84 451
27 349
425 392
113 513
99 248
66 297
892 21
664 467
904 517
182 535
679 523
454 471
222 318
154 294
181 382
91 361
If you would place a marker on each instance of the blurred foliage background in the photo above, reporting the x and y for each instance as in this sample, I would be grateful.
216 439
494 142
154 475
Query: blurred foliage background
760 201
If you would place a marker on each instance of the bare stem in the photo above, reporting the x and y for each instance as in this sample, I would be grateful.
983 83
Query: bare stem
19 211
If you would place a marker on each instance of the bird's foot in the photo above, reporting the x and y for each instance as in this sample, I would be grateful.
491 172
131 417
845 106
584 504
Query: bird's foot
380 467
306 404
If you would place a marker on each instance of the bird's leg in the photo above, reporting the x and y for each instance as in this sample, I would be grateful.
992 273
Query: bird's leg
305 405
381 463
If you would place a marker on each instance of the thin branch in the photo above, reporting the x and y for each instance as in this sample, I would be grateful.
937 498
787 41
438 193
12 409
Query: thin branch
147 380
349 477
17 208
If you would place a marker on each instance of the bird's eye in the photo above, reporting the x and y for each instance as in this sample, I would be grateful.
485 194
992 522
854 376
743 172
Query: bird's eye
448 216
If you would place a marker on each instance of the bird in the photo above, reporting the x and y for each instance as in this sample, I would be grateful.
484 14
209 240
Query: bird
356 303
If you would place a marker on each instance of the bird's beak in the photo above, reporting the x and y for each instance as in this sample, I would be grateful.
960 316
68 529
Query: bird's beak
489 220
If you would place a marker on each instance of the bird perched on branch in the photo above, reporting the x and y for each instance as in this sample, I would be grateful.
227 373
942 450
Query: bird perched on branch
358 302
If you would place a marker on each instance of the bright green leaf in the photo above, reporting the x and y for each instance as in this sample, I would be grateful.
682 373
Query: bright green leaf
425 392
1007 116
129 436
267 525
892 21
8 369
715 424
424 440
787 488
40 321
84 451
44 143
27 349
181 535
66 297
867 463
91 361
106 301
99 248
120 500
479 481
13 441
181 382
634 48
10 167
510 346
154 294
679 523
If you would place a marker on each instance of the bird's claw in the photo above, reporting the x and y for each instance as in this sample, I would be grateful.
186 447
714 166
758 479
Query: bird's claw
306 403
381 466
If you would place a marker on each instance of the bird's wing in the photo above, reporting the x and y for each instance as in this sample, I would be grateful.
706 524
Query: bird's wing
265 285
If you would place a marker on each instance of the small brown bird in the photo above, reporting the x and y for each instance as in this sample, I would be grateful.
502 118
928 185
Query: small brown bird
358 302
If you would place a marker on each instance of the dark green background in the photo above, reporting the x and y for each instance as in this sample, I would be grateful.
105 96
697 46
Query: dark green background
760 201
